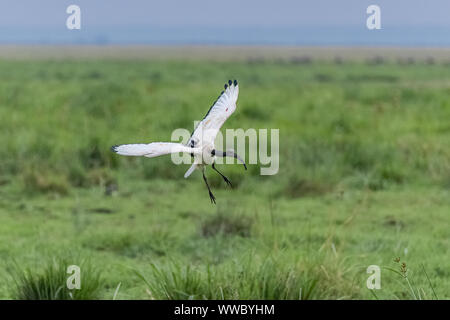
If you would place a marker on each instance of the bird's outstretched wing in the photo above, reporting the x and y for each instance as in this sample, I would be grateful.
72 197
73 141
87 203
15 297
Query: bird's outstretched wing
207 129
153 149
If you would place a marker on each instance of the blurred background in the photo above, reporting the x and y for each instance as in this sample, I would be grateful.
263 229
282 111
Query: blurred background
364 173
289 22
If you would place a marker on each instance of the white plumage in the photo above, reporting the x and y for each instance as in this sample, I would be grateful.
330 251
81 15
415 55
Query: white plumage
153 149
201 142
207 129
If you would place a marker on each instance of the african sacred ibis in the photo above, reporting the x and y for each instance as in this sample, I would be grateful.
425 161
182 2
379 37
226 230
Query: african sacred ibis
201 143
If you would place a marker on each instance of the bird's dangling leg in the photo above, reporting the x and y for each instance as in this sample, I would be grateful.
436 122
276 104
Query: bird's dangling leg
224 178
211 196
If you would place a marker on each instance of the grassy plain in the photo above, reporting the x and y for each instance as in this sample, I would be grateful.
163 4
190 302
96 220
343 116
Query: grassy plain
364 179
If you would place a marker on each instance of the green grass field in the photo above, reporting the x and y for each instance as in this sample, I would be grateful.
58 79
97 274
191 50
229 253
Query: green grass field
364 179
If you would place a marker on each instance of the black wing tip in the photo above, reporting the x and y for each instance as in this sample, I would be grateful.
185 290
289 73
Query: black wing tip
114 148
230 83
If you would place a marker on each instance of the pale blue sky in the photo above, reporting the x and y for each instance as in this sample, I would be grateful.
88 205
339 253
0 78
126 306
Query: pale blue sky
404 22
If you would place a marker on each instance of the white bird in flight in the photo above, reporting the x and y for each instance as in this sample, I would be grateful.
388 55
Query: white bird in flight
201 143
